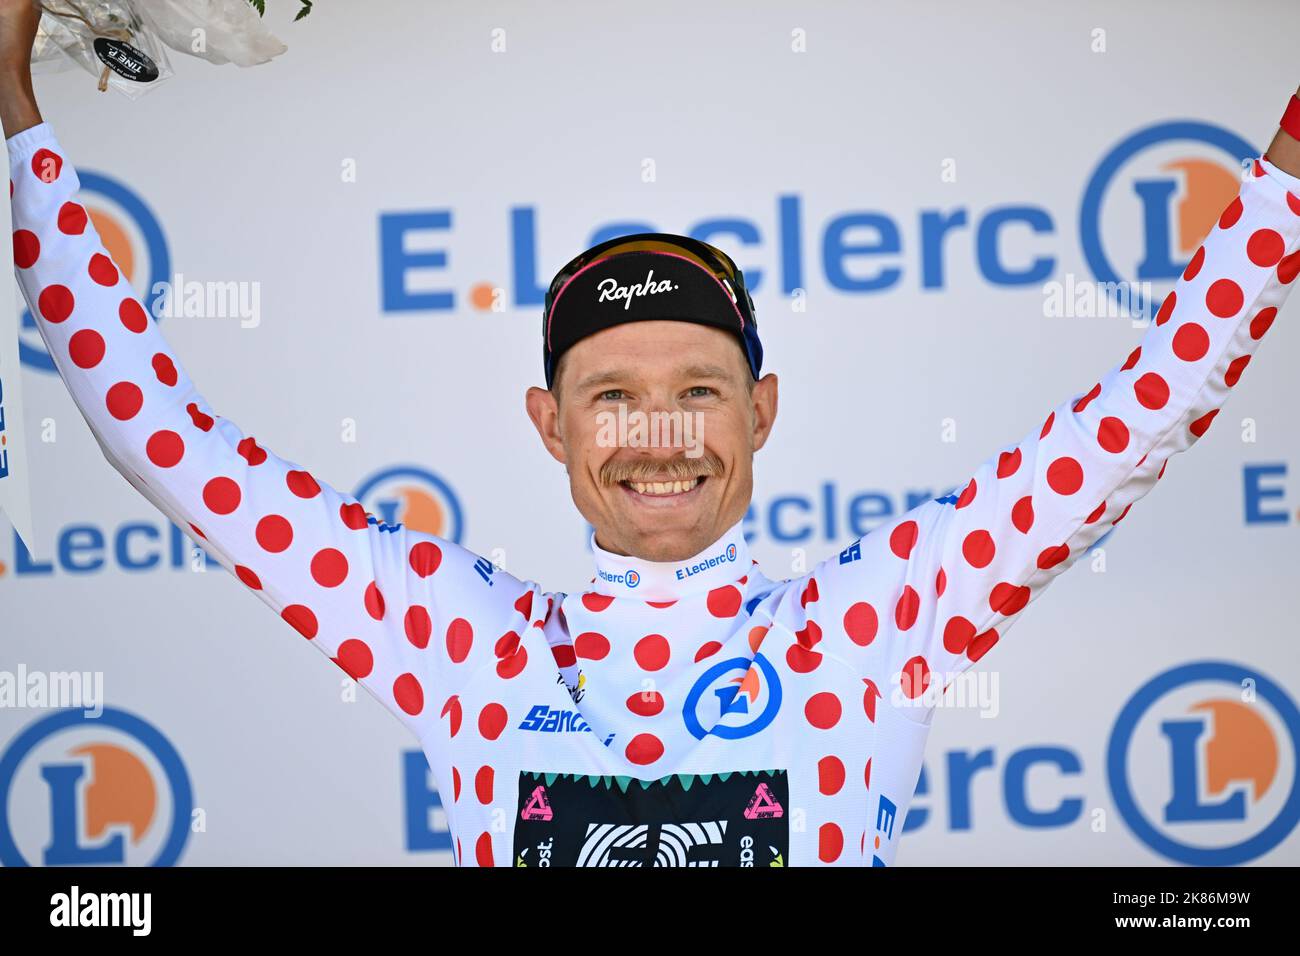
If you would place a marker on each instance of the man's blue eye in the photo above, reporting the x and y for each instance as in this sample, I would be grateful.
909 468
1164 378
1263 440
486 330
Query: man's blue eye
613 395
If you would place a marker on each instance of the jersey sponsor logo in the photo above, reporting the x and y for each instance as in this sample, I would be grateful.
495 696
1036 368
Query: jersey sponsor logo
852 553
416 498
733 699
84 791
1202 763
726 819
630 578
611 291
886 813
133 236
690 570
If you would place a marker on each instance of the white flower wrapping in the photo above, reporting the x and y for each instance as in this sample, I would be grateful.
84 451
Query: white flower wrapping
125 43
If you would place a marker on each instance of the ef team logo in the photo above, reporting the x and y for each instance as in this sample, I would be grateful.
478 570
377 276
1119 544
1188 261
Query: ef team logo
134 239
1153 199
414 497
1203 764
733 699
81 791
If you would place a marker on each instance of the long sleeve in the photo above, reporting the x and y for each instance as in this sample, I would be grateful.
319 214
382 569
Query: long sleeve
393 608
951 576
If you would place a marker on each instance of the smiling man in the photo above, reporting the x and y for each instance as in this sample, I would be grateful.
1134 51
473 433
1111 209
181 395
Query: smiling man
687 709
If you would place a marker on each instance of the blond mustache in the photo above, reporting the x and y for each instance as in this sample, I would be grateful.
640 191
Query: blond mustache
681 468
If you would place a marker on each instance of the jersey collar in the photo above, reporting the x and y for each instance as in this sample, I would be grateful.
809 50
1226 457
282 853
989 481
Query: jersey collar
723 562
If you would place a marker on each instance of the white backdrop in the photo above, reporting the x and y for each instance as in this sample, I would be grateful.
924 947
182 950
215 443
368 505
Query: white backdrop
668 116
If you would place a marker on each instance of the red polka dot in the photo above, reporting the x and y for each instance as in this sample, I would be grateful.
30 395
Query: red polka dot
102 269
981 644
644 749
27 248
356 658
1289 268
978 549
1022 514
1166 308
374 601
1191 342
251 452
830 775
592 646
201 421
164 369
823 710
830 842
492 721
1202 424
1047 424
646 703
249 578
1224 298
221 495
967 494
86 348
329 568
460 638
940 582
483 850
1008 463
484 783
425 558
55 303
165 448
957 634
724 602
1152 391
133 316
274 533
72 219
47 165
662 604
915 677
596 602
1231 214
903 539
907 609
1096 513
1132 359
707 649
453 712
1065 476
652 652
124 400
1233 375
418 626
1086 400
861 623
1265 248
408 693
1194 266
1051 557
564 655
353 516
1112 435
1007 599
1260 323
302 484
513 665
301 619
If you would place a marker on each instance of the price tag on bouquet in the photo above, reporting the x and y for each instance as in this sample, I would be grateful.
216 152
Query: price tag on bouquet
15 463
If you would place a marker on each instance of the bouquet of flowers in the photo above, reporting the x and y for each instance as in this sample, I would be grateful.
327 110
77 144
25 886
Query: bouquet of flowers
125 42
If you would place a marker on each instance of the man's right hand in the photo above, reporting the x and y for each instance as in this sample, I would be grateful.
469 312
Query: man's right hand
18 21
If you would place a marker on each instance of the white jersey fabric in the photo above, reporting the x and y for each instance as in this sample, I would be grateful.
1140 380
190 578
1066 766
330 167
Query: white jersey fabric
693 714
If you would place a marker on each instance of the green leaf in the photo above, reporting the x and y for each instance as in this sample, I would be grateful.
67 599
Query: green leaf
306 9
259 6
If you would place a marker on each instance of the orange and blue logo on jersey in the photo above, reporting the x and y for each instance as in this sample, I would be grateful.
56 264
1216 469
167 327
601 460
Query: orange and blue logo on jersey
1203 764
1154 198
733 699
412 497
133 236
77 790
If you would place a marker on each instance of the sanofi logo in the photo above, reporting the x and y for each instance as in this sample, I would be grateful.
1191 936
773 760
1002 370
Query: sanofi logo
134 239
1166 183
77 790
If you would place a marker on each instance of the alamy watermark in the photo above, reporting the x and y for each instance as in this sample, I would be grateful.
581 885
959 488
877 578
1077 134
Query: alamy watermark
637 429
1076 298
191 299
55 690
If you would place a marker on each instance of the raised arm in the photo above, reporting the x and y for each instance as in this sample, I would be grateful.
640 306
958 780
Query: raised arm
966 567
394 608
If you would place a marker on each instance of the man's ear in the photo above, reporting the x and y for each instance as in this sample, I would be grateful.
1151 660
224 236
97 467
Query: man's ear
764 399
544 410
